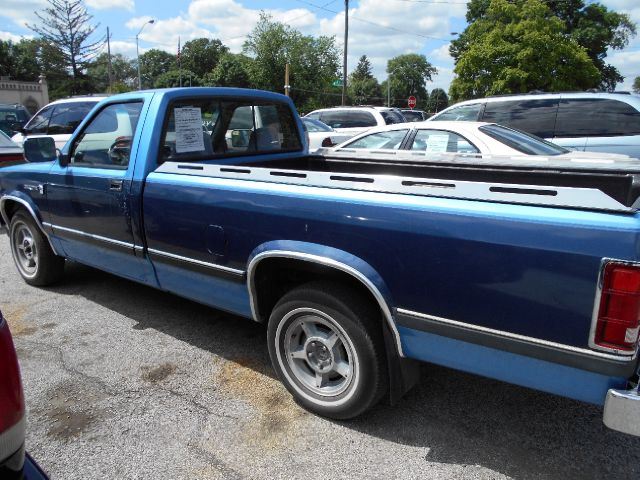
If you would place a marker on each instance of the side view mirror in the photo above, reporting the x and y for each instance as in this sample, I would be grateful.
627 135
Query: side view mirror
240 138
41 149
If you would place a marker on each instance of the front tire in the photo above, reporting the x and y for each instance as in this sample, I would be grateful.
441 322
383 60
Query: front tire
32 254
325 343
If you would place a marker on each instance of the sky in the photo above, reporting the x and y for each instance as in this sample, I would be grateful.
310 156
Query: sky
378 29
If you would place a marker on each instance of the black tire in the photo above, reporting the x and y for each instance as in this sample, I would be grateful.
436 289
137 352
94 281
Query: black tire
326 345
32 254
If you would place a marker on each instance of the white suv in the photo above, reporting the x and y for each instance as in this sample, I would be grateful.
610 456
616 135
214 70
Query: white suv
355 120
58 120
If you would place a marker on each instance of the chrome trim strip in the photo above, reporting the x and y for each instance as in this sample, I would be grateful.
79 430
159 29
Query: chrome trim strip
193 261
515 336
91 235
596 307
33 214
329 262
138 248
546 196
12 438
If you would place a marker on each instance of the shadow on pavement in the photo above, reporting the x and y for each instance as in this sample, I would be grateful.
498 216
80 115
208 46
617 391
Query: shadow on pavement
457 418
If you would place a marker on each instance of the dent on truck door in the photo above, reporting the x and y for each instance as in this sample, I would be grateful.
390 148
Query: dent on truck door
88 199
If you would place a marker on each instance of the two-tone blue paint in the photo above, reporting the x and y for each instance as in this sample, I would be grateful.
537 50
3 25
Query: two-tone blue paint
526 270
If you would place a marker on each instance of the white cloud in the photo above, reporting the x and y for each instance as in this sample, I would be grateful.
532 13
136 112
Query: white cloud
410 29
22 12
8 36
111 4
628 64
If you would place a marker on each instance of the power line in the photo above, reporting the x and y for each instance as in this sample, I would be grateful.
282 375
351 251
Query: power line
377 24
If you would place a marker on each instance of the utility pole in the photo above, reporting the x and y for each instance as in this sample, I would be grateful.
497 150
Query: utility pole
109 61
287 87
344 55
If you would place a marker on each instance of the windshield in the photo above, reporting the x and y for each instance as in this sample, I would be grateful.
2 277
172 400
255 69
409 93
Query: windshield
522 141
391 117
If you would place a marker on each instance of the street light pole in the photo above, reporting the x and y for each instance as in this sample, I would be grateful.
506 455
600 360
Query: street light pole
138 52
344 54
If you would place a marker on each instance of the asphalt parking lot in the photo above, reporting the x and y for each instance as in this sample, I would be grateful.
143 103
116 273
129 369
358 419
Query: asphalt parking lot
122 381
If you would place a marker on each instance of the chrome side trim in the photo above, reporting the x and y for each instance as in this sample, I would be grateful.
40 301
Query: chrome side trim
329 262
596 308
546 196
92 236
5 218
138 248
200 263
515 336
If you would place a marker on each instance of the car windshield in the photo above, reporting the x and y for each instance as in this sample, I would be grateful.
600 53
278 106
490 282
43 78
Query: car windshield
316 125
412 116
5 141
522 141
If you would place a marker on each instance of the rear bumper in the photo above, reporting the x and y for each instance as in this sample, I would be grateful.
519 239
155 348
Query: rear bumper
622 411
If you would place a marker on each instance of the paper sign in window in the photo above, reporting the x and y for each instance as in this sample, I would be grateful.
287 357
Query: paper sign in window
188 129
437 143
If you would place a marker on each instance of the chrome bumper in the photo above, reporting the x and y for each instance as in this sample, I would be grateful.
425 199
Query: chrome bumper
622 411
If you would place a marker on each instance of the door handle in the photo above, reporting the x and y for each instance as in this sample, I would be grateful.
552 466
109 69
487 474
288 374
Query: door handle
115 185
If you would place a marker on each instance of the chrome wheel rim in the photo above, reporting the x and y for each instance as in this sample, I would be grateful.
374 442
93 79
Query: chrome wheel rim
318 353
25 252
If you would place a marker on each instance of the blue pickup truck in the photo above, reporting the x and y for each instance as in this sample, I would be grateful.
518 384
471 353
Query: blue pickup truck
362 265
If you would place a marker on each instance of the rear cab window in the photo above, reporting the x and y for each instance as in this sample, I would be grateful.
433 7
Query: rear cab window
442 141
206 128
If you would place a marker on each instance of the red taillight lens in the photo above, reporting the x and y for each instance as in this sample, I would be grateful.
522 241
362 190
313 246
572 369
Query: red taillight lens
618 320
327 142
11 396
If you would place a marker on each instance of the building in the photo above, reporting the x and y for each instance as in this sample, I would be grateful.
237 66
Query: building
33 95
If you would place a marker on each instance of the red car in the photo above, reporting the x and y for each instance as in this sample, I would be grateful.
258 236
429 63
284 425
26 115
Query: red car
14 462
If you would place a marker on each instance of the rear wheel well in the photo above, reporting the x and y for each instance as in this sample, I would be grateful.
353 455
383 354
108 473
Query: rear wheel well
274 277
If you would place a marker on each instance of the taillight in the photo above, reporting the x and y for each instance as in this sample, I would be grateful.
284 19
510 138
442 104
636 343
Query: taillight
327 142
11 396
618 321
11 157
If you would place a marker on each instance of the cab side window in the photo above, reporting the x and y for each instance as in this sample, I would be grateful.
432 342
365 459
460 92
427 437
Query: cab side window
534 116
595 117
206 128
106 140
441 141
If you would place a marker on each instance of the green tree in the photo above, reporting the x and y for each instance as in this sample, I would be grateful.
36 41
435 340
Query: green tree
438 100
123 73
65 24
314 62
154 63
29 58
202 55
363 87
231 71
408 75
636 85
517 47
593 26
172 79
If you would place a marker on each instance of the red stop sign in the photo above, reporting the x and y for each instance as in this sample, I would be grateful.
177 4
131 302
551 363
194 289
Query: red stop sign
412 101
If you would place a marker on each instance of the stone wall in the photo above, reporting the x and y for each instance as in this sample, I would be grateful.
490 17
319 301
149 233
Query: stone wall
33 95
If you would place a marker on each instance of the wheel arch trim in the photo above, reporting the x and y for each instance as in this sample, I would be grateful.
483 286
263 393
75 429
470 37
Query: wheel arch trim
328 262
30 208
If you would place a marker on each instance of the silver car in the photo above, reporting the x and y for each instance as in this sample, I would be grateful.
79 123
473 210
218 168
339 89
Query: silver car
599 122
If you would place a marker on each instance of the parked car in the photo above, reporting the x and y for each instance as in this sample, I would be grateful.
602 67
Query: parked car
414 115
14 462
322 135
461 137
58 119
354 120
10 152
599 122
12 117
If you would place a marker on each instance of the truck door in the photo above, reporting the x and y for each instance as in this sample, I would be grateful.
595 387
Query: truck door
89 198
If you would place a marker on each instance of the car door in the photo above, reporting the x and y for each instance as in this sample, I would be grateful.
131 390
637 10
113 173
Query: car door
88 198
